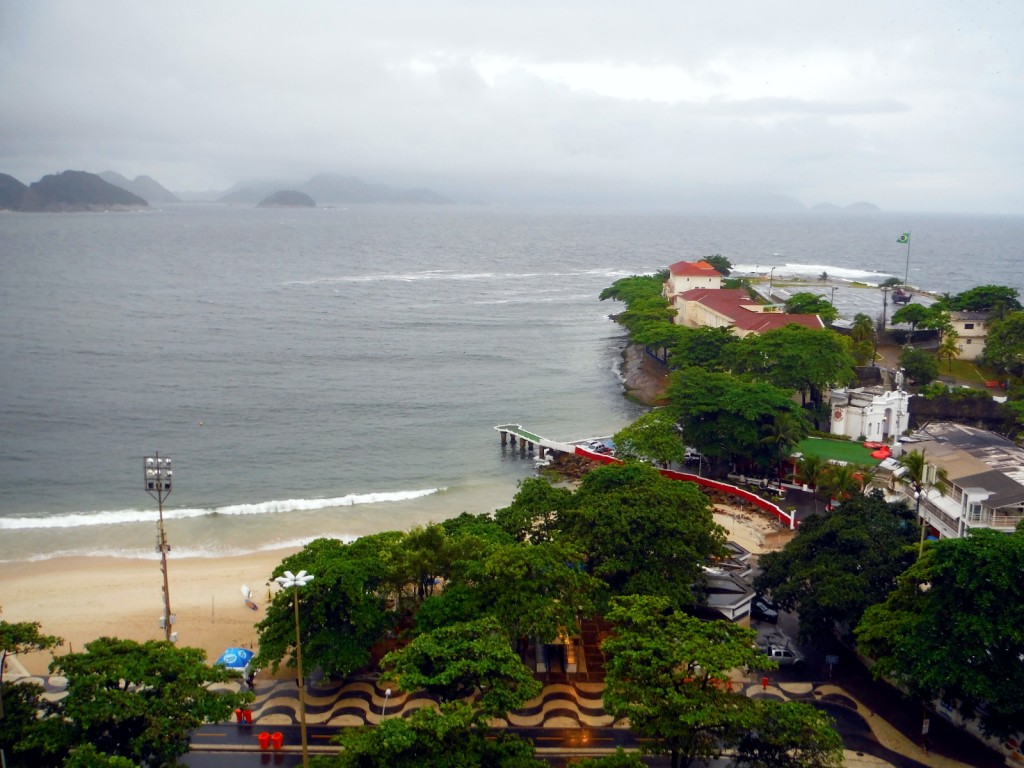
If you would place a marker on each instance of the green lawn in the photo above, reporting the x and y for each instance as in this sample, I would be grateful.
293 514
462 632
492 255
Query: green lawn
840 450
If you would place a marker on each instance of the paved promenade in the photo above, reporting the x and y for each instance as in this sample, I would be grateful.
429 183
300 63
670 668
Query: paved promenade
874 732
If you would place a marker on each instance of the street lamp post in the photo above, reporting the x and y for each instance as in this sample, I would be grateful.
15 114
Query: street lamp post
832 298
297 580
771 280
918 493
157 474
384 707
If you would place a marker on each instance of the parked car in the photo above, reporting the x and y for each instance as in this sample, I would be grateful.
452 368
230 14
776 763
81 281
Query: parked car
784 657
762 610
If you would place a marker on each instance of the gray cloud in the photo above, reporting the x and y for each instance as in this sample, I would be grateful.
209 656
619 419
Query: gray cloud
913 105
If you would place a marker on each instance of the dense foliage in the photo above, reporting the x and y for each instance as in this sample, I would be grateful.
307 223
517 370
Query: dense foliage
954 628
669 673
840 564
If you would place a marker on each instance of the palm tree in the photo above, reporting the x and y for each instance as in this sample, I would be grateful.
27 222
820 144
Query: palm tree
783 435
949 349
812 471
920 479
841 481
862 329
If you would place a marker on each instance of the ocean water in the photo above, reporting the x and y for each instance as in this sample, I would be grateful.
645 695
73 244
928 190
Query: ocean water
339 371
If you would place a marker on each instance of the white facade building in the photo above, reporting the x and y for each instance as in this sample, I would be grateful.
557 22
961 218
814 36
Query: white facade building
869 413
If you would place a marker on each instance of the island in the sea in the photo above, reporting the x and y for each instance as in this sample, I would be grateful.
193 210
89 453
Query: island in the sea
287 198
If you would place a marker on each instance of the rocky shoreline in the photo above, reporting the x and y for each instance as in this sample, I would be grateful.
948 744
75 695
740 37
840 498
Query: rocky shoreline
644 378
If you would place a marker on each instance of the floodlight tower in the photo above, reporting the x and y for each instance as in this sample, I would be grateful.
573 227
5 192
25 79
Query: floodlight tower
157 472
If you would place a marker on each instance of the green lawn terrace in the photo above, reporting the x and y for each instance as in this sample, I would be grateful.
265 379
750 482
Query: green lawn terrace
845 451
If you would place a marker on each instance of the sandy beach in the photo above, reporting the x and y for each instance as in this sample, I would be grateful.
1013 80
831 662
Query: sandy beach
81 599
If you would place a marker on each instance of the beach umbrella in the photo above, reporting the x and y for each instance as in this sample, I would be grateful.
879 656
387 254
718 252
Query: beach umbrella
235 658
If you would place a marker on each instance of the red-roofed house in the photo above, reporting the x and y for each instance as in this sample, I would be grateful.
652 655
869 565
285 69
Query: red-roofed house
694 289
684 276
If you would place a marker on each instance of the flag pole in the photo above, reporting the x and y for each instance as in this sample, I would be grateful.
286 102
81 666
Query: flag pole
906 273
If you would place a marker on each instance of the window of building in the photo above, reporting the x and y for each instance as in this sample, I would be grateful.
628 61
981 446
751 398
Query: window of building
968 326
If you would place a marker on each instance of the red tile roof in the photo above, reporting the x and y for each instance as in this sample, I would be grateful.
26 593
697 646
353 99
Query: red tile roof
729 302
694 269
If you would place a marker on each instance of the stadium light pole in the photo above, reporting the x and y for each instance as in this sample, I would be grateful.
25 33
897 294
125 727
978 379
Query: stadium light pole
157 473
297 580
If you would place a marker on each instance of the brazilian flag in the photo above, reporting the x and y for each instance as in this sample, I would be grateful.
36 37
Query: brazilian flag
904 238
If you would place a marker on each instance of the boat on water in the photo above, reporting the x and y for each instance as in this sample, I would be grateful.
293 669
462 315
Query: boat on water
900 296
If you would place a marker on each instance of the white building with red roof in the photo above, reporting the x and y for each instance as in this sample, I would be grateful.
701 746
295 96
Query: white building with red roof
694 289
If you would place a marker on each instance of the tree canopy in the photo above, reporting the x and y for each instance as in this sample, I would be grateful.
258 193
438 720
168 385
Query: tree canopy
138 701
341 611
724 416
429 738
1004 347
806 303
643 533
954 628
655 435
999 299
669 673
460 660
806 360
840 564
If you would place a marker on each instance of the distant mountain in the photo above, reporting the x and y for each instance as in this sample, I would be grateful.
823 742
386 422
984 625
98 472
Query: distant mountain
287 198
860 207
143 186
863 207
69 191
12 192
332 189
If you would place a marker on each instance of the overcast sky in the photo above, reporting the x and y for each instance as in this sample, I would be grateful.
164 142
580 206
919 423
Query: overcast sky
915 106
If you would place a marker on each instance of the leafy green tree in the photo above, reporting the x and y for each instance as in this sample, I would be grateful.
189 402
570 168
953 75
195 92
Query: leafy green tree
725 417
721 264
703 347
87 756
629 289
341 611
461 660
643 533
786 734
921 367
1000 299
806 303
807 360
140 701
537 590
533 513
669 674
21 637
420 558
1004 347
914 314
840 564
655 435
428 738
952 628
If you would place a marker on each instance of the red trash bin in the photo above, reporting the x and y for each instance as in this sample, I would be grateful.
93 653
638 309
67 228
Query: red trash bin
247 716
277 739
238 715
264 738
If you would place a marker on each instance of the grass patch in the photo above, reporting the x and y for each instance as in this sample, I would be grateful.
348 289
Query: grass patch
837 450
